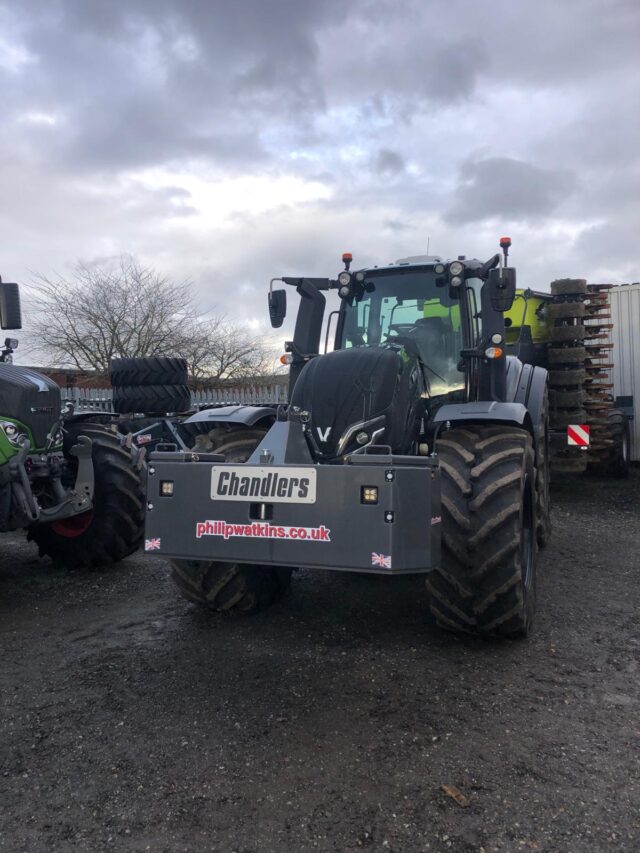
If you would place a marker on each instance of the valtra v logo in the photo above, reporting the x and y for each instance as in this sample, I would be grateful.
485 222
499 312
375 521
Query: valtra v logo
269 485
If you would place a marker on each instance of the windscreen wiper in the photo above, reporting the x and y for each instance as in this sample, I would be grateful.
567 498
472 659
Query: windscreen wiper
415 350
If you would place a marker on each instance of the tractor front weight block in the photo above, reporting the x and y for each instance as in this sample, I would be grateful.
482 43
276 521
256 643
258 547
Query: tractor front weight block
377 513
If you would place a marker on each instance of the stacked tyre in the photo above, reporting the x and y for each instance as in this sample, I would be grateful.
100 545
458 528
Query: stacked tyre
567 371
599 401
609 427
155 385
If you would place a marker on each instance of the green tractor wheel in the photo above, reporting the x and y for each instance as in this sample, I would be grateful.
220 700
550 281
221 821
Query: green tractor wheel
114 527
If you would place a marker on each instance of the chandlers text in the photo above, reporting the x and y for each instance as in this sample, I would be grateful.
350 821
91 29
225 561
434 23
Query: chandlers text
230 485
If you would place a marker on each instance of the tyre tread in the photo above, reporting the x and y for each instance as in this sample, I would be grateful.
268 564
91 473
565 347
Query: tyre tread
232 588
478 589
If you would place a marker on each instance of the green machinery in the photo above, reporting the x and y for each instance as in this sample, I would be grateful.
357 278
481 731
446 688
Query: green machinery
568 331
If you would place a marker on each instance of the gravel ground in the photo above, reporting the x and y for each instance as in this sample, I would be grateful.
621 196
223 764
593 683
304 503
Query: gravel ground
130 720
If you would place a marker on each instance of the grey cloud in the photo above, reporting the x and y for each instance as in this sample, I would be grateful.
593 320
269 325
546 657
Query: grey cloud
509 189
131 97
617 243
154 81
419 118
398 226
388 163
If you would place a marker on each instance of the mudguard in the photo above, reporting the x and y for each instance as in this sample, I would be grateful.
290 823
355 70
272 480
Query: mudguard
246 415
484 412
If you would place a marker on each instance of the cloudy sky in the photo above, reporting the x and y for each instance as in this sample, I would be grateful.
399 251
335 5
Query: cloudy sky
228 141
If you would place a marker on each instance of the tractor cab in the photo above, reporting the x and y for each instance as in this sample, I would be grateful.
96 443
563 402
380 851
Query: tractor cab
396 354
410 337
406 305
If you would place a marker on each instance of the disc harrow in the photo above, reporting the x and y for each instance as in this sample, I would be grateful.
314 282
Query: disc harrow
598 387
580 361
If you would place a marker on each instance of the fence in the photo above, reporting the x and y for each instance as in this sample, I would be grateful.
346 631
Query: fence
101 398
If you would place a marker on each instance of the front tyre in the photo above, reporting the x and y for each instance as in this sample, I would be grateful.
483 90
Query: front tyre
233 588
230 587
114 527
486 582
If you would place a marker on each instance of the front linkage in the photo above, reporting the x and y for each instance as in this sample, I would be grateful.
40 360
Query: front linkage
99 517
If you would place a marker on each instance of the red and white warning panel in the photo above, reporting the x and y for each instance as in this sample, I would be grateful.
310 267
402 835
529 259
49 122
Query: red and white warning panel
578 435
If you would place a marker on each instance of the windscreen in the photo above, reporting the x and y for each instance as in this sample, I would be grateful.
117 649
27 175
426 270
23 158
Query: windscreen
407 304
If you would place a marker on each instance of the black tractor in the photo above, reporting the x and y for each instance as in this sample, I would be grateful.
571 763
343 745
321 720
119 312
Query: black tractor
70 481
415 445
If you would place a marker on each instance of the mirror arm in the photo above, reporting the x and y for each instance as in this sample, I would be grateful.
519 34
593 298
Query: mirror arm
487 266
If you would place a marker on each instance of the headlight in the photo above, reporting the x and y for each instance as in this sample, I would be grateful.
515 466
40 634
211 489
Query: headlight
493 352
456 268
438 269
456 281
13 433
344 279
344 292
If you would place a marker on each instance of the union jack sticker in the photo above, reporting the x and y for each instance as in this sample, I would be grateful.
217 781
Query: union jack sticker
152 544
380 560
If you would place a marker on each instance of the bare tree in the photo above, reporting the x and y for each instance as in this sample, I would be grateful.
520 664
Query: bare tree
218 349
100 313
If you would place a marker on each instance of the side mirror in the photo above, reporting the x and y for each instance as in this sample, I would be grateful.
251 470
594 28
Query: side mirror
502 288
10 313
277 307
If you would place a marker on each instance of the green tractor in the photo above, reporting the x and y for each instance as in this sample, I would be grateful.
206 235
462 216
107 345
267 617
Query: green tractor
69 480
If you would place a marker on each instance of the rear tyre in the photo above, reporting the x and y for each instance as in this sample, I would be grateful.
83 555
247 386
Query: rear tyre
151 398
232 588
486 584
148 371
238 445
543 498
114 528
617 462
